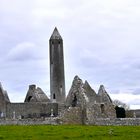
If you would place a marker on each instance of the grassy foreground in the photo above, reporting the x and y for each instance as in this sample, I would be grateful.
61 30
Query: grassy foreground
47 132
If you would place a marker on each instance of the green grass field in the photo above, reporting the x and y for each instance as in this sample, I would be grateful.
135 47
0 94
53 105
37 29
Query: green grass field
47 132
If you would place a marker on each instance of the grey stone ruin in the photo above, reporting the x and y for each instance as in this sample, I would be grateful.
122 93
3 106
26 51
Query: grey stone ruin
81 105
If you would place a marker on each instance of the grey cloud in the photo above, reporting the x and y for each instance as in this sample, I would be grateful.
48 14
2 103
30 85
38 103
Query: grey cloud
25 51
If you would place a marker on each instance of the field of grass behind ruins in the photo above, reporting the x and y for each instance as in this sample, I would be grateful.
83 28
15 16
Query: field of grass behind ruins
48 132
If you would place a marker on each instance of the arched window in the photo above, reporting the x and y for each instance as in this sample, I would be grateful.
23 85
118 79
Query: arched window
74 101
29 98
102 108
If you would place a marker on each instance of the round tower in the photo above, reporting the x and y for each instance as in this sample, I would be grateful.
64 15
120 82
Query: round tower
57 76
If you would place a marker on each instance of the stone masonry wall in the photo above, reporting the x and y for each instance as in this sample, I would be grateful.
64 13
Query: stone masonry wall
31 110
58 121
98 110
48 121
116 122
73 115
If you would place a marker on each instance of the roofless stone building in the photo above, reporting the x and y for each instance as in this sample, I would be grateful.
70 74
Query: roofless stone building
81 105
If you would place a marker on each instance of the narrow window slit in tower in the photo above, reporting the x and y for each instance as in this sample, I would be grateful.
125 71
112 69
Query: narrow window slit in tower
60 89
54 96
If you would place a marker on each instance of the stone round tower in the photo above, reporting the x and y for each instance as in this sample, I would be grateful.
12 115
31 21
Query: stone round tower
57 76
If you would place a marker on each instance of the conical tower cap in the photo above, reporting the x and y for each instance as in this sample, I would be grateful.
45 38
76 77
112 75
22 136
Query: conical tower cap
55 34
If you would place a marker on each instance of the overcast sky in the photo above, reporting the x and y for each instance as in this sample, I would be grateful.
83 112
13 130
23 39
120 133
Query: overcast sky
101 45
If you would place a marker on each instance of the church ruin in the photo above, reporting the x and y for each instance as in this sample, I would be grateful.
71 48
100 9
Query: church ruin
82 104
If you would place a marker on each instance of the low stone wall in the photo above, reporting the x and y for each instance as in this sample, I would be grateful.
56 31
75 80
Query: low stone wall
58 121
43 121
115 122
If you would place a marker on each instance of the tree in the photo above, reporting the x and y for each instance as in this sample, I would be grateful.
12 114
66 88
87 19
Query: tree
121 104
